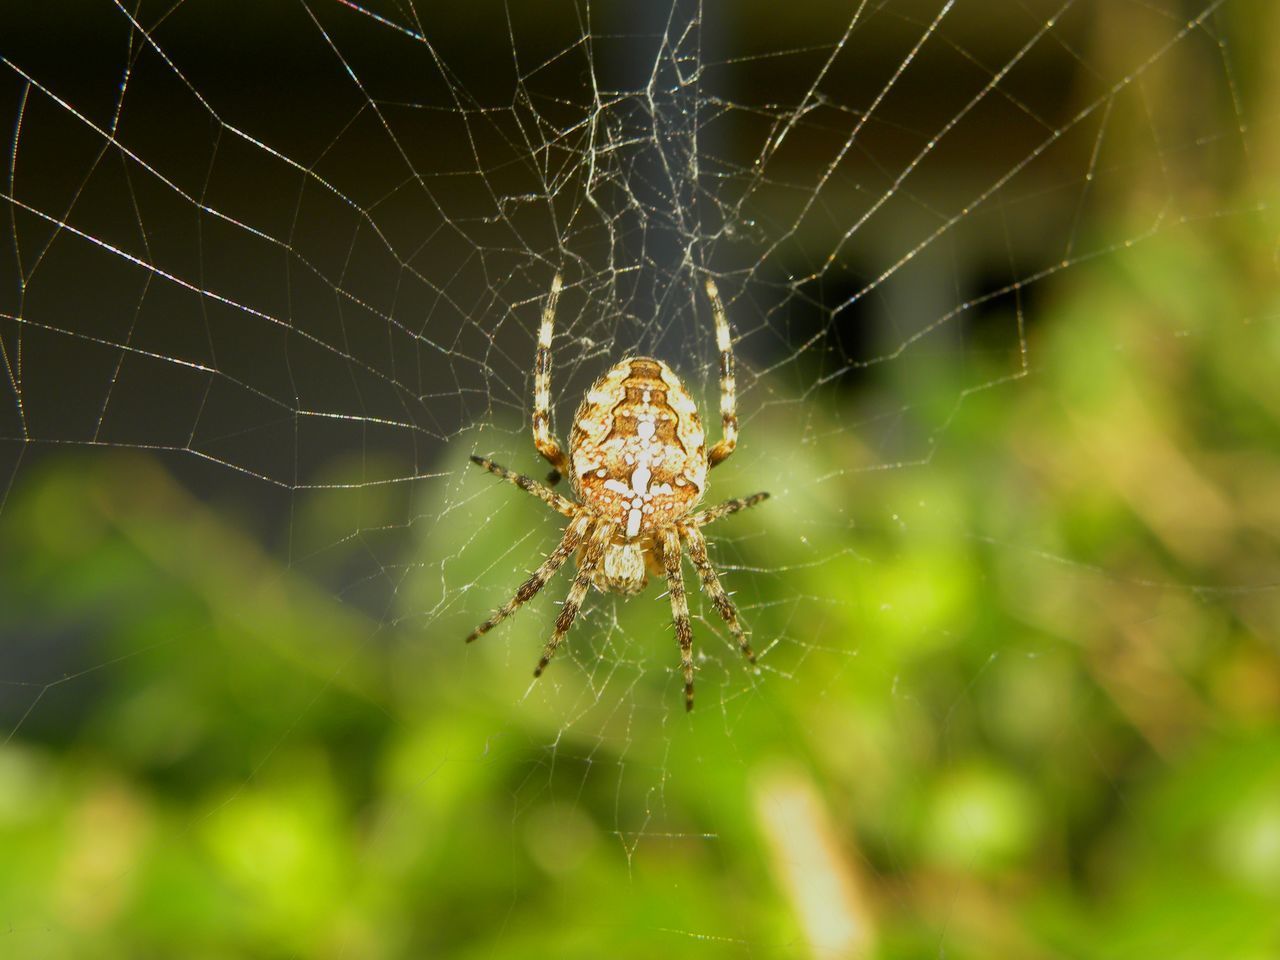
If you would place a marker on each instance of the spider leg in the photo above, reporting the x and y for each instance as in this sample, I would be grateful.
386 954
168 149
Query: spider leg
587 566
712 514
547 444
711 584
728 383
573 536
679 609
545 494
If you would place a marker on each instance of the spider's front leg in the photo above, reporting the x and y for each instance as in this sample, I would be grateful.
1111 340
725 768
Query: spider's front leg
728 382
543 439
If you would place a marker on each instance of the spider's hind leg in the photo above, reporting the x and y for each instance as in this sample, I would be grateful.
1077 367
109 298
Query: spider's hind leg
573 536
714 589
671 557
588 563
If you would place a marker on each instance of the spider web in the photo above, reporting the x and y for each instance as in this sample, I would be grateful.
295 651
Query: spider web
296 254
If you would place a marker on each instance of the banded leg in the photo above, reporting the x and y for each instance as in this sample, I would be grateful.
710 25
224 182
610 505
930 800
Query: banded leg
547 444
588 563
712 514
679 609
573 536
529 485
711 584
728 383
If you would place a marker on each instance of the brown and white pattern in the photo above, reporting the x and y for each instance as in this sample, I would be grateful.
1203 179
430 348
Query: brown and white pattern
638 464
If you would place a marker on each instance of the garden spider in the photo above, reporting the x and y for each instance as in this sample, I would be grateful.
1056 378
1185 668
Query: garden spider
638 463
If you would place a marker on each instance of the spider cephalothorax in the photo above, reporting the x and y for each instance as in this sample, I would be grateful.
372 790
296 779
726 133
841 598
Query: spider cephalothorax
638 463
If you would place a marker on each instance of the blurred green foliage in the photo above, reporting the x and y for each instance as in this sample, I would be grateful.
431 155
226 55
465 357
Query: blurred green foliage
1024 700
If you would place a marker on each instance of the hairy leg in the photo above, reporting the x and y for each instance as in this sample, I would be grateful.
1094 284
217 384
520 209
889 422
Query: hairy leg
715 590
712 514
529 485
679 609
587 566
573 536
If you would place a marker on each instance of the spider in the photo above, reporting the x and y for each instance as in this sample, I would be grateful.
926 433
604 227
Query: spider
638 464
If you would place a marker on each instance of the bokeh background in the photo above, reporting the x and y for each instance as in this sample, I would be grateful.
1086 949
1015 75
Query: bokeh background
1010 370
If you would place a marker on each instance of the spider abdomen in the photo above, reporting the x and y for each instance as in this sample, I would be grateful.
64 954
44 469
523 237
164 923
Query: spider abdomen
637 449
